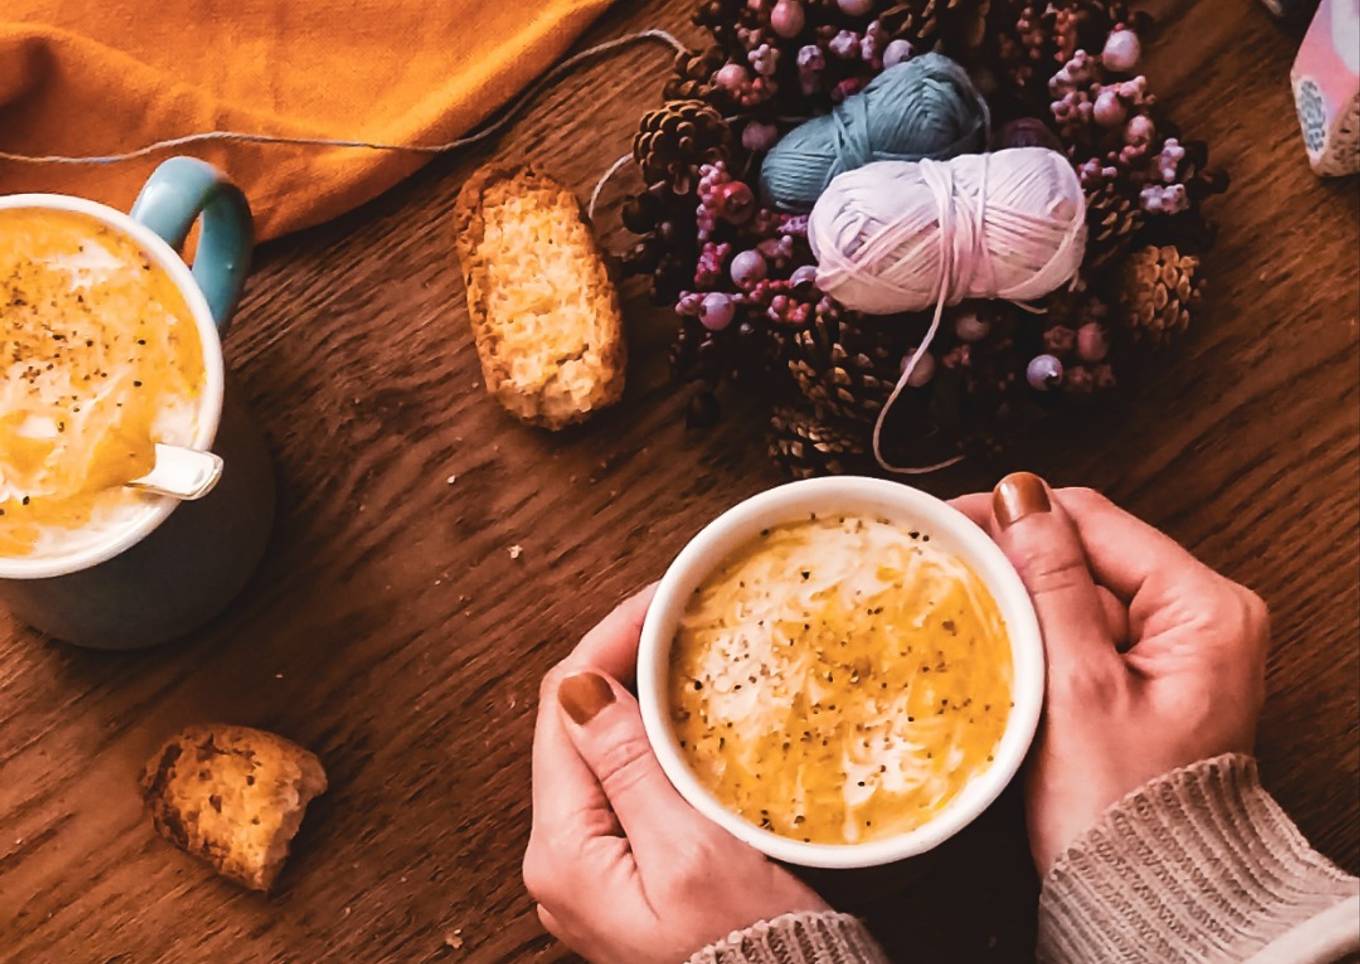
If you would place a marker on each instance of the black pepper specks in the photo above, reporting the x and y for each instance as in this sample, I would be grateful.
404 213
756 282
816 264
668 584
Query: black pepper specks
842 686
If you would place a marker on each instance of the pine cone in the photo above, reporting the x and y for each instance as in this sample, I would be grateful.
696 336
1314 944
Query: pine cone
970 22
846 363
741 351
927 24
1159 286
693 76
675 138
1112 219
1020 43
717 13
697 354
1071 25
805 447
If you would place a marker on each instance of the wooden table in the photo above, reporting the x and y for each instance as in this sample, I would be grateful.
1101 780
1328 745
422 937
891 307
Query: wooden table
392 631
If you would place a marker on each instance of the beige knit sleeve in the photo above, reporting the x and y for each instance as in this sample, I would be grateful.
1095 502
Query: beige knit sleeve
1199 865
804 938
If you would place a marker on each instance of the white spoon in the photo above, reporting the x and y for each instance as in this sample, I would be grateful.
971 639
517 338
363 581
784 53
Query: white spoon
184 474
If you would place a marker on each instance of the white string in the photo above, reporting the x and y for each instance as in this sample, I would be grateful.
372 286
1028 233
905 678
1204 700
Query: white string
604 179
618 165
247 137
870 234
942 186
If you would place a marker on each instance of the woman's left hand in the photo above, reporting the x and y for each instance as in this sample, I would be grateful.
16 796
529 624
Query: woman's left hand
623 869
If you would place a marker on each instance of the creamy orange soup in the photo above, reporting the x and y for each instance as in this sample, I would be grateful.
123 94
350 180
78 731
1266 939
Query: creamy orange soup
840 679
99 360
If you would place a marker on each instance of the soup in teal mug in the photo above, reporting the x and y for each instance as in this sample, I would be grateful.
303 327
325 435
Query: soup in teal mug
112 344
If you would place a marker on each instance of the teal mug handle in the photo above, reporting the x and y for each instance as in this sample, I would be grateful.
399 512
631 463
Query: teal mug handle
172 199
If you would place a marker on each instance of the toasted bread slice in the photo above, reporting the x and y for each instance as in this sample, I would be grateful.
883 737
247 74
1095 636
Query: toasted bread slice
544 311
232 796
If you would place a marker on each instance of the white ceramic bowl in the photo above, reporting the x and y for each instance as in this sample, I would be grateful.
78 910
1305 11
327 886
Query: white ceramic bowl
913 509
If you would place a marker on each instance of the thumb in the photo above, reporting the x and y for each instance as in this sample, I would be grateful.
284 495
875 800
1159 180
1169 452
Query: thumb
1041 541
606 728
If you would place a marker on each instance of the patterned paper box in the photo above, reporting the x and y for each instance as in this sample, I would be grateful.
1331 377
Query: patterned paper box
1326 79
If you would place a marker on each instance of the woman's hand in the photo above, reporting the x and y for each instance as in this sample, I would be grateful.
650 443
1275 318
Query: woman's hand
623 869
1155 661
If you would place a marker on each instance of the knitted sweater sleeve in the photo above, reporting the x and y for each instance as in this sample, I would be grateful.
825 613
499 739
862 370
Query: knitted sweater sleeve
1199 865
805 938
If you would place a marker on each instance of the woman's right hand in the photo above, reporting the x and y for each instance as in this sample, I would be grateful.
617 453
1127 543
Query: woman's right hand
1155 661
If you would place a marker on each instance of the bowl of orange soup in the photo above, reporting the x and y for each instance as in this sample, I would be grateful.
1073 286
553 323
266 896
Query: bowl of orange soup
841 672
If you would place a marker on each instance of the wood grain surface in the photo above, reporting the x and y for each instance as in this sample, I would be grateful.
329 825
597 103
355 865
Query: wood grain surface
391 631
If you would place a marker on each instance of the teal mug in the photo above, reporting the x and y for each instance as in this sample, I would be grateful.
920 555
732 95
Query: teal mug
182 562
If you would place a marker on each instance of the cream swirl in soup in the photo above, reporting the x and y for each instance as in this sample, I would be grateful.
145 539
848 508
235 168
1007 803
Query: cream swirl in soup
100 359
840 679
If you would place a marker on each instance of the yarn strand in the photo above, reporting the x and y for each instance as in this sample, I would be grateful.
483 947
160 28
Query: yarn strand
942 186
605 178
895 237
511 111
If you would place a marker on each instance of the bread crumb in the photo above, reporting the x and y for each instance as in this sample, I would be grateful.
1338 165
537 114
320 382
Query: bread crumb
454 939
451 479
232 796
516 551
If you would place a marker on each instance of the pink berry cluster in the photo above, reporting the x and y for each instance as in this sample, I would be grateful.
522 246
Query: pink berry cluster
1082 100
708 272
783 301
1075 353
721 198
1023 50
1165 192
752 262
790 50
1105 116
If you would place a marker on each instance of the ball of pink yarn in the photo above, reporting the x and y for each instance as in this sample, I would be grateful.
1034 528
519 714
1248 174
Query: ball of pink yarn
898 236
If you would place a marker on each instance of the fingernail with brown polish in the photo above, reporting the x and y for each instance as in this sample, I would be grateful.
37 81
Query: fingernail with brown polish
584 695
1018 495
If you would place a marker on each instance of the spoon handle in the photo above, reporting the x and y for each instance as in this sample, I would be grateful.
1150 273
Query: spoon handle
184 474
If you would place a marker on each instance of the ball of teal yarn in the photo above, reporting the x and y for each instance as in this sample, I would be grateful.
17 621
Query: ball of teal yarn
924 107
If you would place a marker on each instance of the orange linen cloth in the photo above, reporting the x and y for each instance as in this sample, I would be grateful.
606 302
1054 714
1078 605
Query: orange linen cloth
100 78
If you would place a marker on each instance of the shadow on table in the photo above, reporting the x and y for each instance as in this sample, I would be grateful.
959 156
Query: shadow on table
974 898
